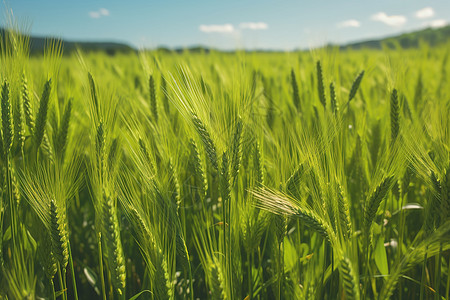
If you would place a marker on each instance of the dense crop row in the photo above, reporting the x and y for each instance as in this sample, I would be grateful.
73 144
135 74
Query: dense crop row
309 175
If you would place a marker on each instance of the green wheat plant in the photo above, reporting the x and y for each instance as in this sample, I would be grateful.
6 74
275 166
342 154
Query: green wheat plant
212 175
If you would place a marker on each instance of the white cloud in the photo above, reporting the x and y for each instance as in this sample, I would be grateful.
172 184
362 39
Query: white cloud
102 12
224 28
394 20
254 25
425 13
349 23
436 23
94 14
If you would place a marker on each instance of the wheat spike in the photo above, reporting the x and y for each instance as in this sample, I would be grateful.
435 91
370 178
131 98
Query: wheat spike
113 154
406 179
64 130
146 155
344 213
111 234
333 101
374 201
445 196
45 253
100 139
236 150
19 131
395 116
355 86
2 156
280 226
349 278
163 286
430 246
174 185
197 167
182 251
93 91
293 183
270 112
216 282
375 145
208 143
316 223
279 203
7 125
258 165
59 234
46 148
295 94
432 217
28 110
41 118
254 229
165 97
14 183
418 95
153 103
320 85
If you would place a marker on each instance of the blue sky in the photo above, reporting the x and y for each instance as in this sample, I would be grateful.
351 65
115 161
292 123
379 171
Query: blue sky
264 24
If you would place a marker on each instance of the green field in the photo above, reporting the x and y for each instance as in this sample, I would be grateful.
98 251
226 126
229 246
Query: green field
322 174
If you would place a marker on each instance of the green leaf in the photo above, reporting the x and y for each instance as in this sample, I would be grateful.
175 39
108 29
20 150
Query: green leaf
376 228
92 278
290 255
380 257
7 234
29 242
140 293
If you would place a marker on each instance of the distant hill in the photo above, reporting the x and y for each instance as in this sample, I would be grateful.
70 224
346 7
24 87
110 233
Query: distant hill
432 36
37 45
407 40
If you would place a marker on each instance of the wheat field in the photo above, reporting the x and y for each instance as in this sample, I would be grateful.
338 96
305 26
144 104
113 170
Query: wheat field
321 174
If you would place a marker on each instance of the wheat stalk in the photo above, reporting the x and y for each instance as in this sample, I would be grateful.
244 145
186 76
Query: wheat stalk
225 184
